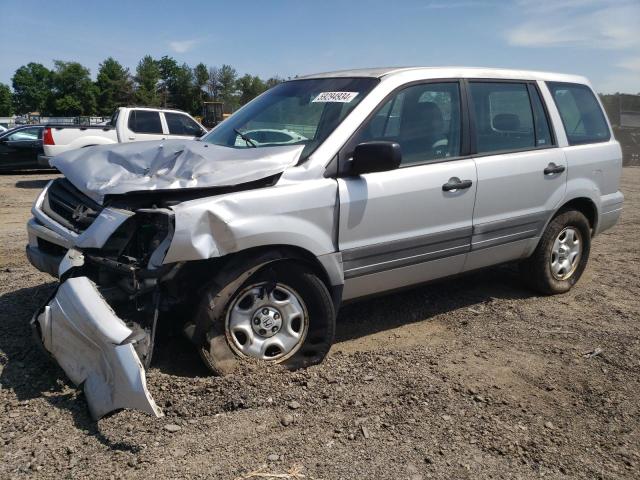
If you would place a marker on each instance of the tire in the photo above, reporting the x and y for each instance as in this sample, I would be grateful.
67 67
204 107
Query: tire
551 273
313 320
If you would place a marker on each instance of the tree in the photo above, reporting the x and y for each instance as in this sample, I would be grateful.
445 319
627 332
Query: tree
213 84
227 77
31 87
168 70
250 86
6 101
147 79
183 93
273 81
114 85
74 92
201 77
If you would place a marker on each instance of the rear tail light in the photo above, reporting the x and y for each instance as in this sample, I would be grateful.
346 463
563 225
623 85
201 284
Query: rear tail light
47 137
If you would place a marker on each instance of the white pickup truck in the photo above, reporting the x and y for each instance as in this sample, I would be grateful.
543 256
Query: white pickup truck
126 125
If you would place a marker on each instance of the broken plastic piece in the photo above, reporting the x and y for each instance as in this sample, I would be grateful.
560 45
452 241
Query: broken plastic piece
93 347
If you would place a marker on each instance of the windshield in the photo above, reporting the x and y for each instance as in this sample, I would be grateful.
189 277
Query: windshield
298 112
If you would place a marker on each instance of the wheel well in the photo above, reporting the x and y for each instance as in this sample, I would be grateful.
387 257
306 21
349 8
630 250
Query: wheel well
194 277
584 206
200 272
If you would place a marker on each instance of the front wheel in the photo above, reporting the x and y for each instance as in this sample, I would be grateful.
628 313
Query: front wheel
561 256
282 314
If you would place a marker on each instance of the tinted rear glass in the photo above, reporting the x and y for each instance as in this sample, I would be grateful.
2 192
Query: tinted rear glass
581 114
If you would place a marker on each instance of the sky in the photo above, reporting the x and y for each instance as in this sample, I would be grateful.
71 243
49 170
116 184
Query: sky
596 38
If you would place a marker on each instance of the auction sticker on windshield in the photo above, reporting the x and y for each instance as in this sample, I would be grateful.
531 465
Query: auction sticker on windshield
341 97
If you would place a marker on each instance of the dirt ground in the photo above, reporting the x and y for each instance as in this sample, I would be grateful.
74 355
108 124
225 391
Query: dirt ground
469 378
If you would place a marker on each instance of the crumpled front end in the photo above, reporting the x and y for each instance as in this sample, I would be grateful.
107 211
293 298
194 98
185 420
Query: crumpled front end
101 323
95 348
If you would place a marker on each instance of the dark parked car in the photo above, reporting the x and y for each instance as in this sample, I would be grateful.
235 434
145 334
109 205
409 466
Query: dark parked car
20 147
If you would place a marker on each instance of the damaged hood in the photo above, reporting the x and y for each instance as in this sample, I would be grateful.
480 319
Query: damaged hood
169 165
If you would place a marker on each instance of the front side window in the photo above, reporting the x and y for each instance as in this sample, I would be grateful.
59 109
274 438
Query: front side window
581 114
298 112
145 121
25 135
182 125
424 119
503 116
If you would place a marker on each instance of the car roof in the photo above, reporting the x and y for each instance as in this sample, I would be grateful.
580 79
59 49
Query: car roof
452 72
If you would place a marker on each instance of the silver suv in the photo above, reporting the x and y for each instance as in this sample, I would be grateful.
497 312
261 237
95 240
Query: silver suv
324 189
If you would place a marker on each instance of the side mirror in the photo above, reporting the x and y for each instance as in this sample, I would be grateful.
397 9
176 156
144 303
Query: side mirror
377 156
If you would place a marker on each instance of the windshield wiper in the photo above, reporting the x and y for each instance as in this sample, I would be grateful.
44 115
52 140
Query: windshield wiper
245 138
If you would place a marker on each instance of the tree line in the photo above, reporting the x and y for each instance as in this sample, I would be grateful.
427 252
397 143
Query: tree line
68 90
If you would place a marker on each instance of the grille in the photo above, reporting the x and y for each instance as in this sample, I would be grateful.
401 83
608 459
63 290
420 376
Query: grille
69 206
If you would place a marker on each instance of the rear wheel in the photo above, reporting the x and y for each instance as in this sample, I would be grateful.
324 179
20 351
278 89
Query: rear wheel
281 314
561 256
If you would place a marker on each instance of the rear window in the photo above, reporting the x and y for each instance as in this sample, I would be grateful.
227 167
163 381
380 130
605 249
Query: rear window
503 116
114 118
581 114
145 121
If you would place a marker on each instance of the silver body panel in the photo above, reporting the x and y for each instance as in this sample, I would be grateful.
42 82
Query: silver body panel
90 343
296 214
395 220
371 234
168 165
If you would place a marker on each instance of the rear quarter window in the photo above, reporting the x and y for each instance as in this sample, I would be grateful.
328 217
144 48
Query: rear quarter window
583 119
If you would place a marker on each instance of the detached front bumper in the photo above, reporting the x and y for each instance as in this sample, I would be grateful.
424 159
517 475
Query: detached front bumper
95 348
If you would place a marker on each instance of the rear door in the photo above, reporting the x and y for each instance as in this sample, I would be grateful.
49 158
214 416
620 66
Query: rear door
180 125
406 226
521 173
144 125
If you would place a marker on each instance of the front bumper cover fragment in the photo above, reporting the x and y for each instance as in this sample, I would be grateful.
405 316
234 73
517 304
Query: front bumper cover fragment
91 344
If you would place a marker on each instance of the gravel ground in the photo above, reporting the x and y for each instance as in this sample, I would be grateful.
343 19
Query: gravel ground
469 378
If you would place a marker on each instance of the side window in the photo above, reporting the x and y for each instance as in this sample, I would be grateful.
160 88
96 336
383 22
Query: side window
503 116
581 114
114 118
145 121
424 119
25 135
182 125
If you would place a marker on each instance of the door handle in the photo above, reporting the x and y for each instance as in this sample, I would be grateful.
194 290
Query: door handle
132 138
552 169
456 184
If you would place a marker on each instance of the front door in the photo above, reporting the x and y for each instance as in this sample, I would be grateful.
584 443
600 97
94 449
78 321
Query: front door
180 125
20 149
413 224
521 174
